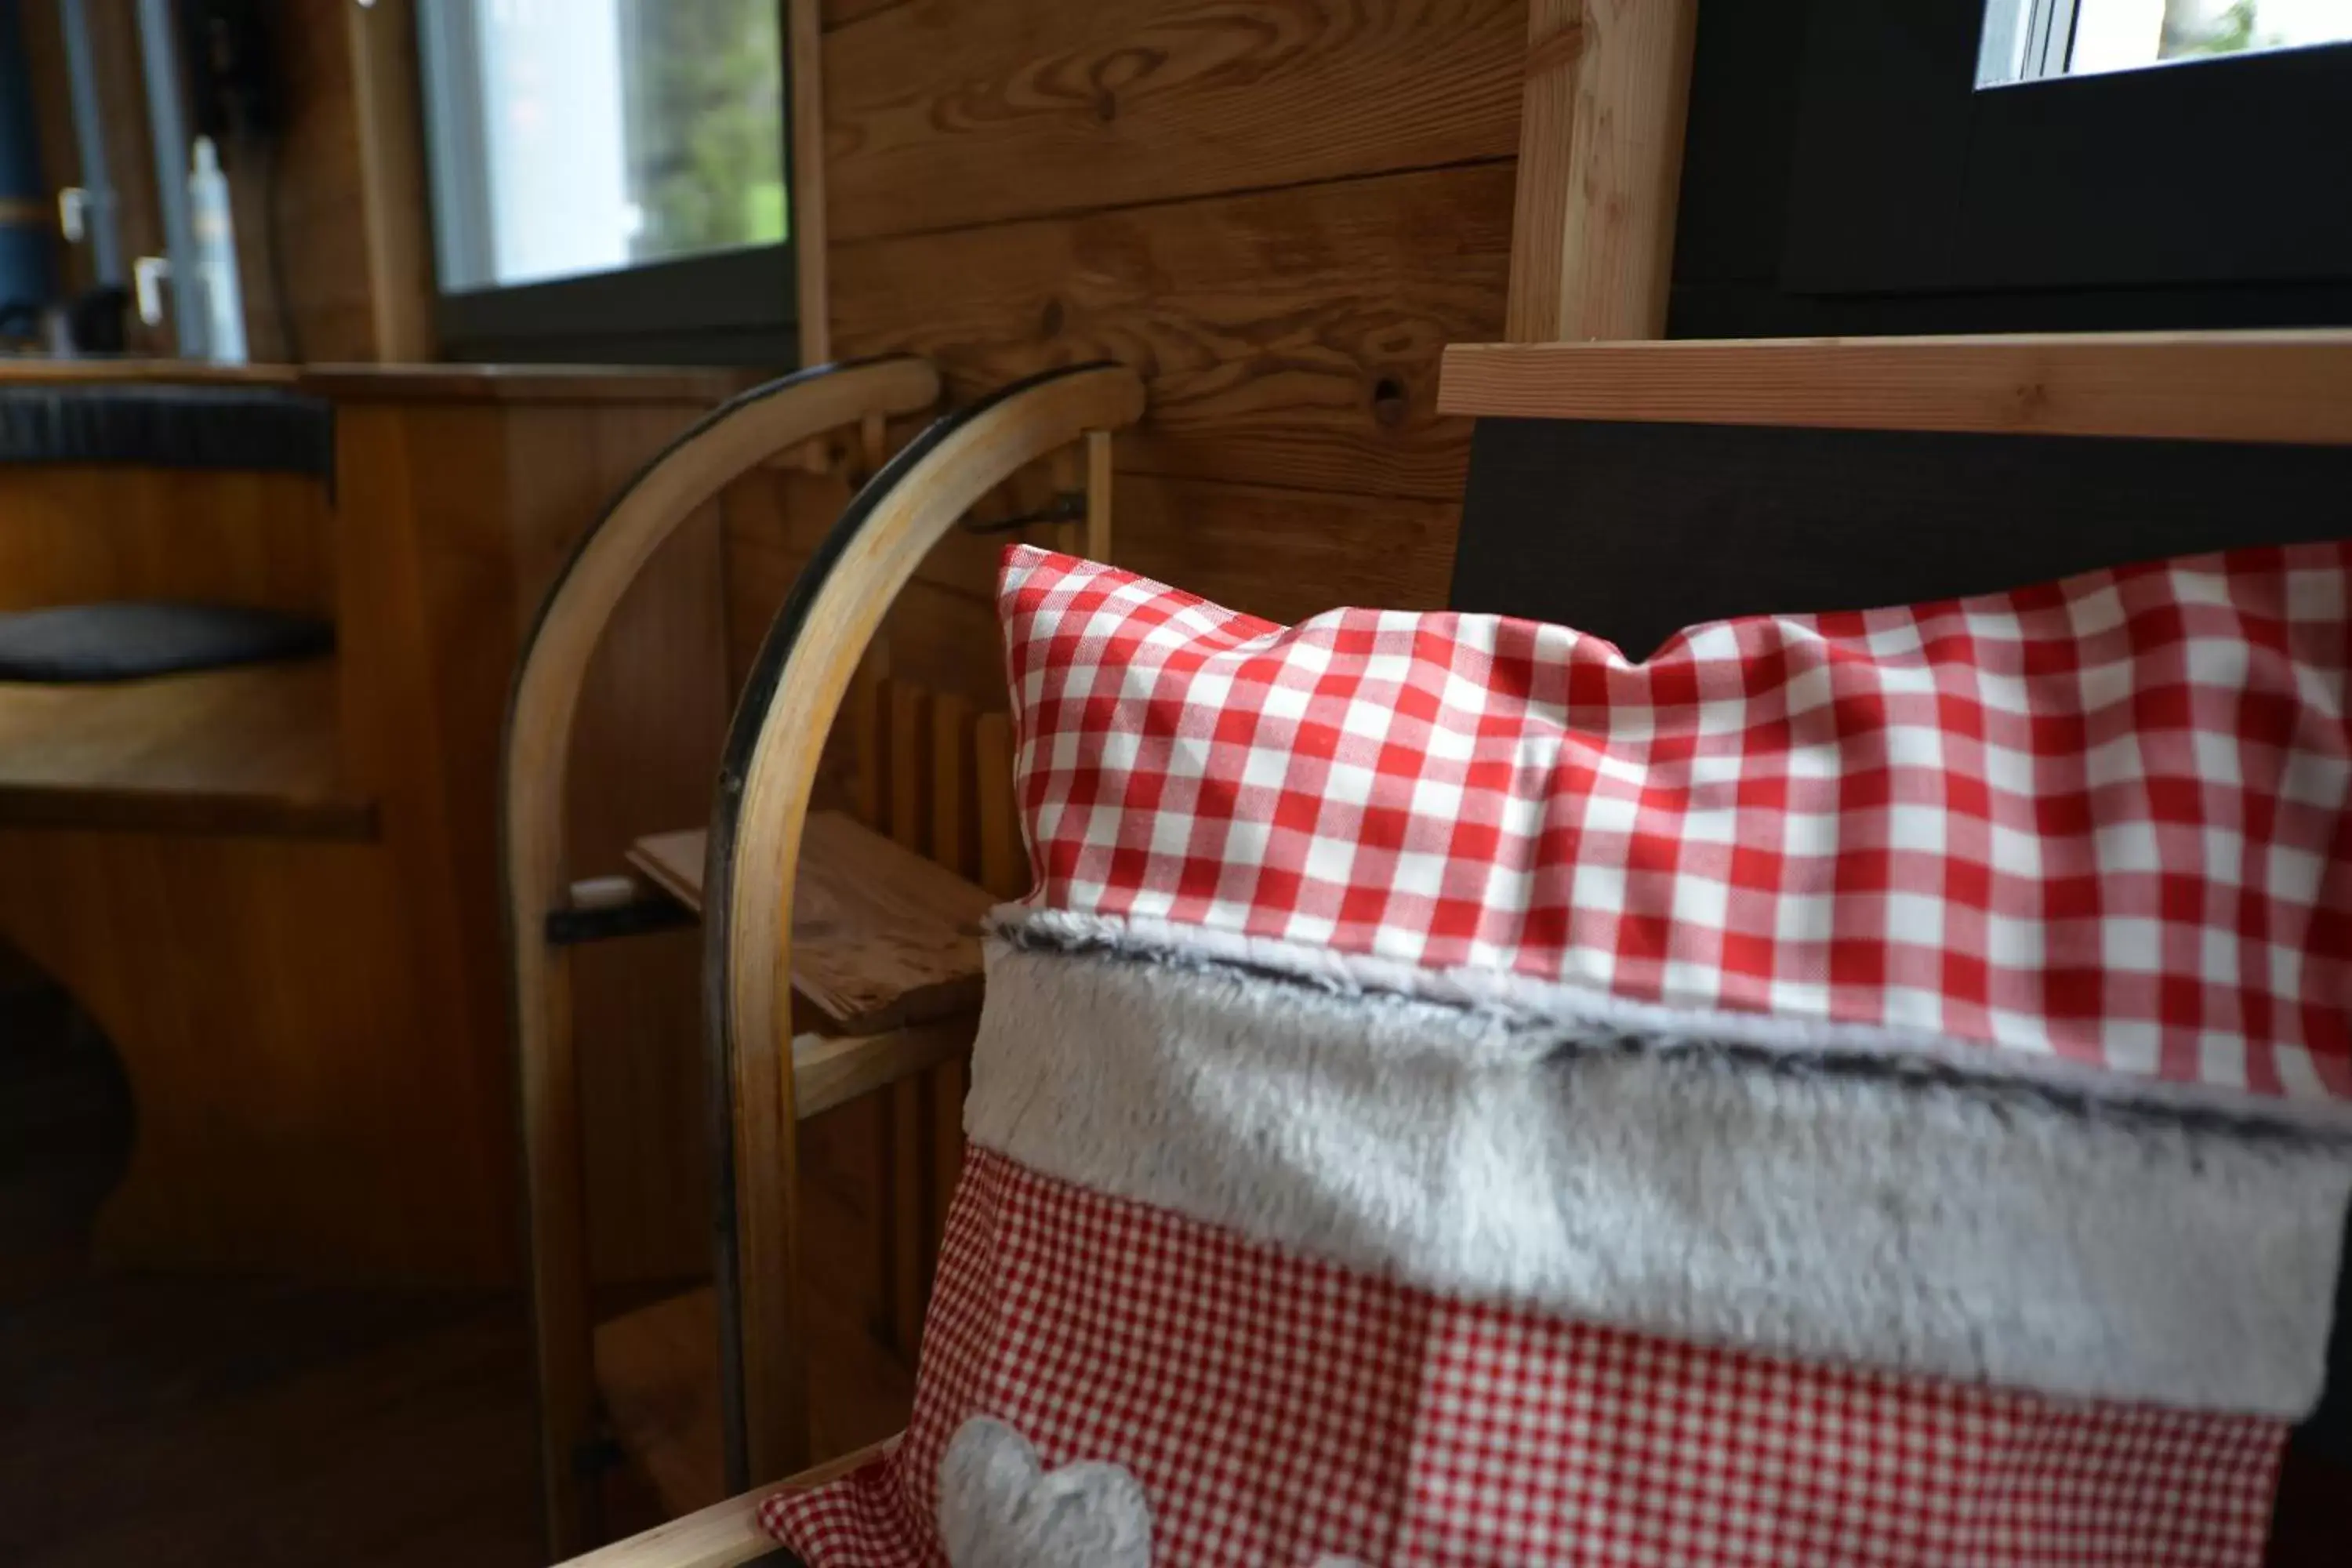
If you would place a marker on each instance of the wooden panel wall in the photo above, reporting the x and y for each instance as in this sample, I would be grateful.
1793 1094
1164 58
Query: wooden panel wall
75 534
1280 213
305 198
317 1033
477 502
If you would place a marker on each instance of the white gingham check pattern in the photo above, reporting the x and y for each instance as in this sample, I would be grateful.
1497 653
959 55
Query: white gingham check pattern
1277 1408
2103 817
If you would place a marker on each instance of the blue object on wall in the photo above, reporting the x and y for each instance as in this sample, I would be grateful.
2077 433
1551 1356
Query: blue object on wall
26 208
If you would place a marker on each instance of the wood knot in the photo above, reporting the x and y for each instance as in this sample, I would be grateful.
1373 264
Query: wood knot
1390 404
1049 320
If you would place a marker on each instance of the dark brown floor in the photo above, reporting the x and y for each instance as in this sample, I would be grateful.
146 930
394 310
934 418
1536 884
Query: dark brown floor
152 1420
243 1424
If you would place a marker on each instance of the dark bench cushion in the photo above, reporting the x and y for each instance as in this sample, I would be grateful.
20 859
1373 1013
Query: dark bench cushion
222 428
127 641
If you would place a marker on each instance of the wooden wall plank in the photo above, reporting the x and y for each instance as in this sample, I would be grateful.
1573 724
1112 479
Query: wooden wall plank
388 120
773 517
1287 339
77 534
316 211
945 116
45 78
1004 858
299 1111
811 222
1601 153
841 13
462 510
1282 554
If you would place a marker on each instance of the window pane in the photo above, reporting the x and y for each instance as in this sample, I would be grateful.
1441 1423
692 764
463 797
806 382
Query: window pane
573 136
2027 39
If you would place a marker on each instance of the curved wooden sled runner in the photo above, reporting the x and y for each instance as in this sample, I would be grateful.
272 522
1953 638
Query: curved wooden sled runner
795 690
755 842
544 908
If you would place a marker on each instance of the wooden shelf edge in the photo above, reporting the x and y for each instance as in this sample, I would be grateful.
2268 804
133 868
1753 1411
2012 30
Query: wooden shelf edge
183 814
882 938
248 750
673 863
2254 386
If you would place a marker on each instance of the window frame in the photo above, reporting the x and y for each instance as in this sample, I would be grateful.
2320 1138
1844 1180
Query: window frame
732 307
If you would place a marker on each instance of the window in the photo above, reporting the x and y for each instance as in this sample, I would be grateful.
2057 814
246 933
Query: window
2026 40
609 177
2012 165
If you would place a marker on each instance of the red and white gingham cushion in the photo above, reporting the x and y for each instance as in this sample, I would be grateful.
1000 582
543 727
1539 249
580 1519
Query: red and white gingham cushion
1277 1408
2104 818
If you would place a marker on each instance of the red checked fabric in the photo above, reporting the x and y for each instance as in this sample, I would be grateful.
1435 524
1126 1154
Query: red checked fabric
2098 818
1278 1409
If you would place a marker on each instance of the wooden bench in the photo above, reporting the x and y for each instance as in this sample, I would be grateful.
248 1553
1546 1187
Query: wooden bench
251 751
275 890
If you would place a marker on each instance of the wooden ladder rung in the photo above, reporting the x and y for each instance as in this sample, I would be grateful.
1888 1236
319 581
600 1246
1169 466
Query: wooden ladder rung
881 937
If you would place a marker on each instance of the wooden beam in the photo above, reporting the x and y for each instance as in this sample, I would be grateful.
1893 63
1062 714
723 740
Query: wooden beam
804 57
2287 387
389 121
1600 153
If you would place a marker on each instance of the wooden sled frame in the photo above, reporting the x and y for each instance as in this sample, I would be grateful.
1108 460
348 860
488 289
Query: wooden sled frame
797 685
740 435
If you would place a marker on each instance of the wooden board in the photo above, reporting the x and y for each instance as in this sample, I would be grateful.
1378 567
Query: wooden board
540 385
387 115
313 203
143 371
657 1368
1601 151
881 936
249 751
2287 387
1285 339
674 863
949 116
76 534
841 13
1284 555
809 222
302 1103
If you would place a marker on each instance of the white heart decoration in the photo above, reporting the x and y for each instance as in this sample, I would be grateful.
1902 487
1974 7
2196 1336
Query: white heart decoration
999 1509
